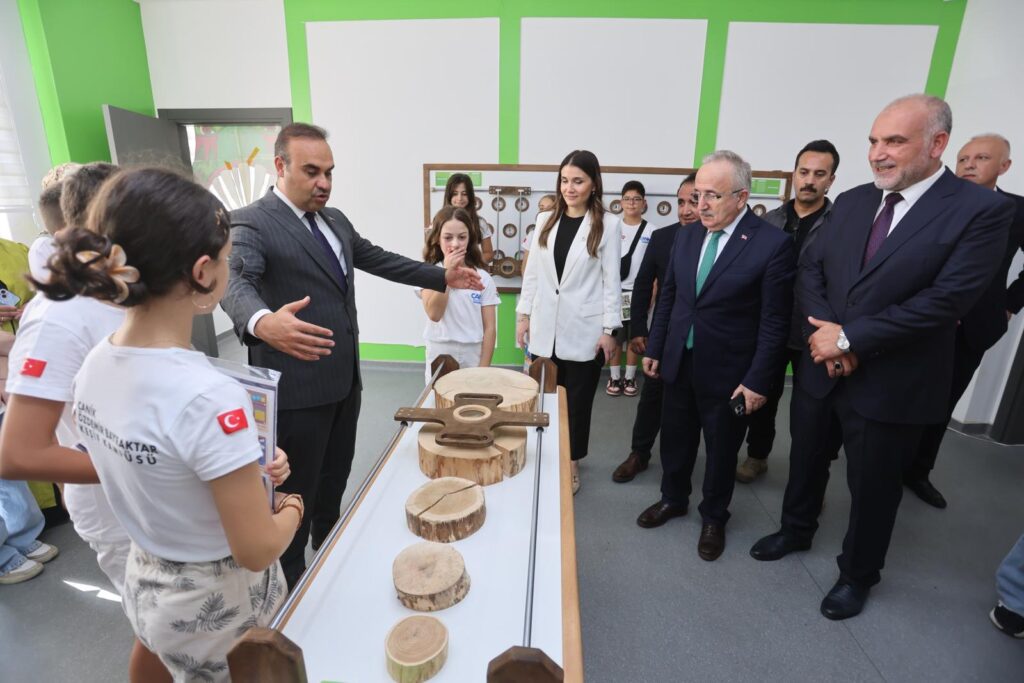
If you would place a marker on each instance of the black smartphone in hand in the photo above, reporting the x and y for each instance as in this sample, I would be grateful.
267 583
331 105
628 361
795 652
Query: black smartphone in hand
738 406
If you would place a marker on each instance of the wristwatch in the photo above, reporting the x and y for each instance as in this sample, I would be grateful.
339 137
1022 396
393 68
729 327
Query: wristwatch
843 343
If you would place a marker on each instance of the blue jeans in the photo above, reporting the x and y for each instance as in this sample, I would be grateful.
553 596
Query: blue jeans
1010 579
21 521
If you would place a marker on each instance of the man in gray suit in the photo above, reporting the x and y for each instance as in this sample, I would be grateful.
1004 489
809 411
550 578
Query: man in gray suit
291 298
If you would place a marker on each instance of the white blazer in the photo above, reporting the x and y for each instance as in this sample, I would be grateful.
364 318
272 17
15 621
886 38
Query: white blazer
567 318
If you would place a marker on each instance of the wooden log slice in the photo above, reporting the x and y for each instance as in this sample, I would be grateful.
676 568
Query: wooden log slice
486 465
430 576
446 509
518 390
416 649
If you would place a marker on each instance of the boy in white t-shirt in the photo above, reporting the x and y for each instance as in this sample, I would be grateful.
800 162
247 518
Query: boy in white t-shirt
462 323
636 234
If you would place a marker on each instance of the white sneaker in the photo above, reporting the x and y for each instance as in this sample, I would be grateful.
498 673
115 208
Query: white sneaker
42 553
23 572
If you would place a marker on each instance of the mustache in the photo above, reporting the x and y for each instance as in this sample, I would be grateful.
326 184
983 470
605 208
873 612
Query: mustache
809 188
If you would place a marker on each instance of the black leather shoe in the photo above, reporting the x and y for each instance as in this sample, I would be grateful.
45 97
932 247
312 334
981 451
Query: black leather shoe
845 600
712 542
777 546
924 490
659 513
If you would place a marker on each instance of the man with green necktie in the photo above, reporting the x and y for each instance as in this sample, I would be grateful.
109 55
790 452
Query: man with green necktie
719 330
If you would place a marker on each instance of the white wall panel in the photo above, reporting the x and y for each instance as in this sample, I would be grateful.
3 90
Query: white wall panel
216 53
985 96
626 89
385 91
788 84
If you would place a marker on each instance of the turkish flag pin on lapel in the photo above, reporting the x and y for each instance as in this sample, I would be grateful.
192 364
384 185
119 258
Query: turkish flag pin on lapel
232 421
33 367
744 236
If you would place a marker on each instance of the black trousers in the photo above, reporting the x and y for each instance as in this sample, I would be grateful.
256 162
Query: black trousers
965 363
761 429
320 443
685 416
876 453
580 379
648 417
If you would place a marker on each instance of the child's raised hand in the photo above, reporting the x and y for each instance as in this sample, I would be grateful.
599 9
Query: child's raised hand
455 259
279 469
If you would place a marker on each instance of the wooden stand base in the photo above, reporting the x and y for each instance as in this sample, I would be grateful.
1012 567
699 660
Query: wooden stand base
263 655
524 665
486 465
518 391
416 649
430 577
446 509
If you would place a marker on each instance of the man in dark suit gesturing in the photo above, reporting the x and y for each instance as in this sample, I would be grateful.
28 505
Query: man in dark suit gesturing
901 261
719 333
291 298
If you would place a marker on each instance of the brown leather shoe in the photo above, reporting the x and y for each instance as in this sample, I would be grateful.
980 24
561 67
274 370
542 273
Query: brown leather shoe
659 513
632 466
712 542
750 469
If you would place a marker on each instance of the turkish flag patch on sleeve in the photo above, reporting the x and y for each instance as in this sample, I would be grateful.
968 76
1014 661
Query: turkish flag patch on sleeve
33 367
232 421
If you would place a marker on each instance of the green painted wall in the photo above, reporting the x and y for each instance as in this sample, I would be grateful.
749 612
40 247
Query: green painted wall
85 54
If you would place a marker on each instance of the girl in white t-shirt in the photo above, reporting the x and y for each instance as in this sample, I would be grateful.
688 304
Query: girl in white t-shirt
173 440
458 192
462 322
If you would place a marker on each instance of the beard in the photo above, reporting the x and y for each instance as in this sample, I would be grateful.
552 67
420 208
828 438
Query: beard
917 170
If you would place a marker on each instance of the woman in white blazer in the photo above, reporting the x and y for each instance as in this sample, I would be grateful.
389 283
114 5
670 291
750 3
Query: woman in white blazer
569 306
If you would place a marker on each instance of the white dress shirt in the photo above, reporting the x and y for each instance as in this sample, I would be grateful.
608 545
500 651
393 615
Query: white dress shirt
332 240
910 196
726 234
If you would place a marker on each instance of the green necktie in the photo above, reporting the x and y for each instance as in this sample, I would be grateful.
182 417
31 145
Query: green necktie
703 271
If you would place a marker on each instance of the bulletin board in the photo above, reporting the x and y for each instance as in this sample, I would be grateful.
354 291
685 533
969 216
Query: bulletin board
507 196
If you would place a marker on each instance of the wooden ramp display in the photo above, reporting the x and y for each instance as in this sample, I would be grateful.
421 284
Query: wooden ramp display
485 465
430 576
519 391
446 509
416 649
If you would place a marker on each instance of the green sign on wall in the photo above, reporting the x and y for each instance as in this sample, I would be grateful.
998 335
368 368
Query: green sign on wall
441 177
766 187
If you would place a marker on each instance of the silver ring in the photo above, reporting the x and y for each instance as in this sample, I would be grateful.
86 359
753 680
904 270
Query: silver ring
837 366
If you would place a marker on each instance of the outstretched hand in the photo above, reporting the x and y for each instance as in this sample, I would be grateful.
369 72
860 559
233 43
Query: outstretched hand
462 277
284 331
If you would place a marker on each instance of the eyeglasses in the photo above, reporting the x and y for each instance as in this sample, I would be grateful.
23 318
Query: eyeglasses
632 200
712 197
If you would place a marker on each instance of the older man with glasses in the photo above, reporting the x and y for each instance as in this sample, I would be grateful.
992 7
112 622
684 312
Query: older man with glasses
719 332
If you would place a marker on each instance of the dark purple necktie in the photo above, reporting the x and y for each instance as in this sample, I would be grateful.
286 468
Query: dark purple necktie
880 228
321 239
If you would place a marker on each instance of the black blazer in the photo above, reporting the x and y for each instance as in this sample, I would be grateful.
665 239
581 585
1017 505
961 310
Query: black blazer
1015 292
276 260
900 312
652 269
740 319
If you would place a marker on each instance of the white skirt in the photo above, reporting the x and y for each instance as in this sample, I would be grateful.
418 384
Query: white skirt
467 355
190 613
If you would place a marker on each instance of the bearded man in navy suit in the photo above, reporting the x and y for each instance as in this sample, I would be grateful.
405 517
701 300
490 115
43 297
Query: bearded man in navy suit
883 288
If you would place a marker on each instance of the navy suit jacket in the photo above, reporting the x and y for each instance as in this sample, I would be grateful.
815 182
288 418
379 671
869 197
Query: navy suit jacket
652 269
741 317
900 312
1015 292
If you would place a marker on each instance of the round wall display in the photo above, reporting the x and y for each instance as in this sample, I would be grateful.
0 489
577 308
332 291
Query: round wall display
498 204
664 208
519 255
529 228
616 206
498 255
759 209
522 204
507 267
509 230
479 203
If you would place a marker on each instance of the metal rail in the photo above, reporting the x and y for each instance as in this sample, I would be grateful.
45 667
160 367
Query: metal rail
531 567
321 554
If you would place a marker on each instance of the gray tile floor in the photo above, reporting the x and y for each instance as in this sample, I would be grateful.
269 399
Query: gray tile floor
651 609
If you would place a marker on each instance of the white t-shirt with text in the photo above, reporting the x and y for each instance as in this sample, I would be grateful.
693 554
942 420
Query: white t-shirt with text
52 342
160 424
463 319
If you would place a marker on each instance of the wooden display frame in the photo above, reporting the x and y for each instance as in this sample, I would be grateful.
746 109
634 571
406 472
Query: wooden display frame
280 647
786 176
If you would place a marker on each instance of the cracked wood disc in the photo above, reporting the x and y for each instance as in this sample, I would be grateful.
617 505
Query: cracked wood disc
484 465
430 576
416 649
518 391
446 509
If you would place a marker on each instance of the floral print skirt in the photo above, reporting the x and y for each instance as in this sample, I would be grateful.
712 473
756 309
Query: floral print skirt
190 613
